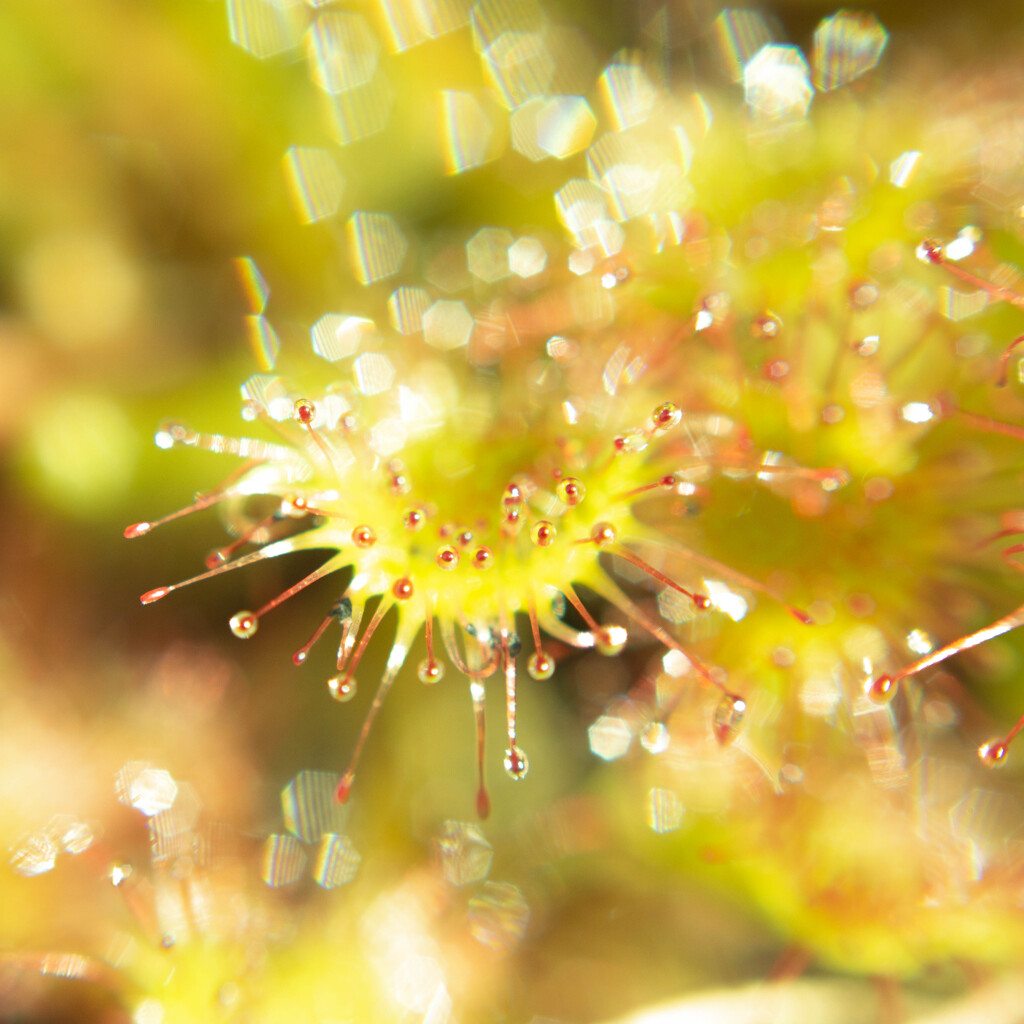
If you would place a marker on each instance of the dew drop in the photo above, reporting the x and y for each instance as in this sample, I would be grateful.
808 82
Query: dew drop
154 595
305 411
430 671
516 763
243 624
610 640
667 416
543 533
727 718
364 536
930 251
483 558
993 753
571 491
137 530
882 689
633 440
602 534
402 588
413 518
216 557
447 558
540 665
342 688
702 601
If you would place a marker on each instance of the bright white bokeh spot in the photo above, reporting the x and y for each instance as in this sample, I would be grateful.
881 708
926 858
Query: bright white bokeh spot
777 82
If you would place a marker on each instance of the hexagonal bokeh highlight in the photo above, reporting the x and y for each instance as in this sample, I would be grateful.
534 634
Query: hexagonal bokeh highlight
377 246
362 110
527 257
374 373
846 45
523 130
468 137
610 737
738 34
487 254
628 93
464 852
489 19
309 807
342 50
314 182
260 27
336 336
565 125
777 82
337 861
520 67
406 307
283 860
447 324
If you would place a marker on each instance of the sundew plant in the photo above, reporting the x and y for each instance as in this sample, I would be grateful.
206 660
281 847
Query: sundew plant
674 377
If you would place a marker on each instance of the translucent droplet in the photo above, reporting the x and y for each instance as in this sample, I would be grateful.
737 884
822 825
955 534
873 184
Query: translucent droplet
516 763
342 688
571 491
244 624
727 718
540 665
882 689
609 640
430 671
993 753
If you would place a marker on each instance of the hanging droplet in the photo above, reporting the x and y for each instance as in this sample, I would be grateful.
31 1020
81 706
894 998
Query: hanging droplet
930 251
882 689
540 665
430 671
666 416
993 753
413 518
727 718
305 411
483 558
609 640
402 589
602 534
154 595
342 688
516 763
571 491
244 624
137 530
543 533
